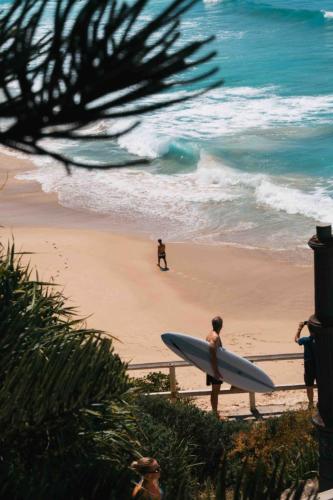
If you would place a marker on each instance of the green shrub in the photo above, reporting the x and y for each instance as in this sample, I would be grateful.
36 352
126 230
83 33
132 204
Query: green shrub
153 382
210 437
272 441
256 482
279 438
67 429
176 457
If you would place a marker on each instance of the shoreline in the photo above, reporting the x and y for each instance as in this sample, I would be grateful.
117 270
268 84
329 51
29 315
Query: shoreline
114 277
126 225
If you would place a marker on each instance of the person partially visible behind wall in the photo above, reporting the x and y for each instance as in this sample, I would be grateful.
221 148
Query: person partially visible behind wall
308 342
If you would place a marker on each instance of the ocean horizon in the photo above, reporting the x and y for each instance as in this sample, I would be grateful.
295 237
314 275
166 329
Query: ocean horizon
249 163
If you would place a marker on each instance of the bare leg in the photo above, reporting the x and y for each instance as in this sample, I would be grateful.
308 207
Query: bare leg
309 392
165 263
214 396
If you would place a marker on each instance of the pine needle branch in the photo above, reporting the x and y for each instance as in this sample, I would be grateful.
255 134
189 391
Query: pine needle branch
98 61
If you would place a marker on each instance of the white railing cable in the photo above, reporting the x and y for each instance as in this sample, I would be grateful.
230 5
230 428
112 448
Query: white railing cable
255 359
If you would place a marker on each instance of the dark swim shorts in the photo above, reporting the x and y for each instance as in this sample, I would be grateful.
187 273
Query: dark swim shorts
309 373
213 381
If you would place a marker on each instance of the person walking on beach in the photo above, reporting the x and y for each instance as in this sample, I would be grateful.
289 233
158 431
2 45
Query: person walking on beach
308 343
214 340
148 488
161 254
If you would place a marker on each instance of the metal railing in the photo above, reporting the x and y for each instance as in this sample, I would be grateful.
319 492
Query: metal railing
174 392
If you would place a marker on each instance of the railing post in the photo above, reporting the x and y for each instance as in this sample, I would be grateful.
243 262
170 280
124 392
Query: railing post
321 327
252 402
173 383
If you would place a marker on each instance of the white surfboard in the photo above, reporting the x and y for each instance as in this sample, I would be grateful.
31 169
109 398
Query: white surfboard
235 370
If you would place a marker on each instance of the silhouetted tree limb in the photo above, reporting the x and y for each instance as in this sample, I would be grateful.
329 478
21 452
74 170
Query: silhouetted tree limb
97 62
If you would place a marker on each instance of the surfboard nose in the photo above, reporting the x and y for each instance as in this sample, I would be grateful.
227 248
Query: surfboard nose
167 338
173 342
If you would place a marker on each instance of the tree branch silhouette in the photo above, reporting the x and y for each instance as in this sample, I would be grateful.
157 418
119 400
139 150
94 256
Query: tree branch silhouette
98 61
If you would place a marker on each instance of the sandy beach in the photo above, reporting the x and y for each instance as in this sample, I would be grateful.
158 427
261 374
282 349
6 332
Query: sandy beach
114 281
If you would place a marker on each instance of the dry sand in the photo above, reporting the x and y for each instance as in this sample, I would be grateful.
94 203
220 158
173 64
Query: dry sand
114 279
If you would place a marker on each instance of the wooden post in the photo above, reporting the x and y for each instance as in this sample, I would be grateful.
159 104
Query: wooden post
173 382
252 402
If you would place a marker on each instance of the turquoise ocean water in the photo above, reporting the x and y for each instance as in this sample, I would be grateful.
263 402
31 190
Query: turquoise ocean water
249 163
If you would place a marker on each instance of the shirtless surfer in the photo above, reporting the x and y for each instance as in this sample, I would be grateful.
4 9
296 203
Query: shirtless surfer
214 340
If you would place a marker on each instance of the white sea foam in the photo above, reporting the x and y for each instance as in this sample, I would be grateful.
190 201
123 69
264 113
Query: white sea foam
209 2
176 196
327 14
229 35
245 92
224 112
213 200
316 204
220 112
212 172
142 142
137 191
180 203
12 152
266 190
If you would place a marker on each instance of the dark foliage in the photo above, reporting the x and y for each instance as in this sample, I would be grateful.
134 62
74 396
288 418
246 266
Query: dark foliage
152 382
97 62
210 437
279 438
182 455
258 483
252 467
176 457
67 428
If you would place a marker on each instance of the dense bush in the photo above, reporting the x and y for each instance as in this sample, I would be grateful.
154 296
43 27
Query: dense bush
210 437
152 382
259 482
279 439
270 442
67 429
176 457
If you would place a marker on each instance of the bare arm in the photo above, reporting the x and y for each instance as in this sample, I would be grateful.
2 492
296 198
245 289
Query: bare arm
213 346
300 328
